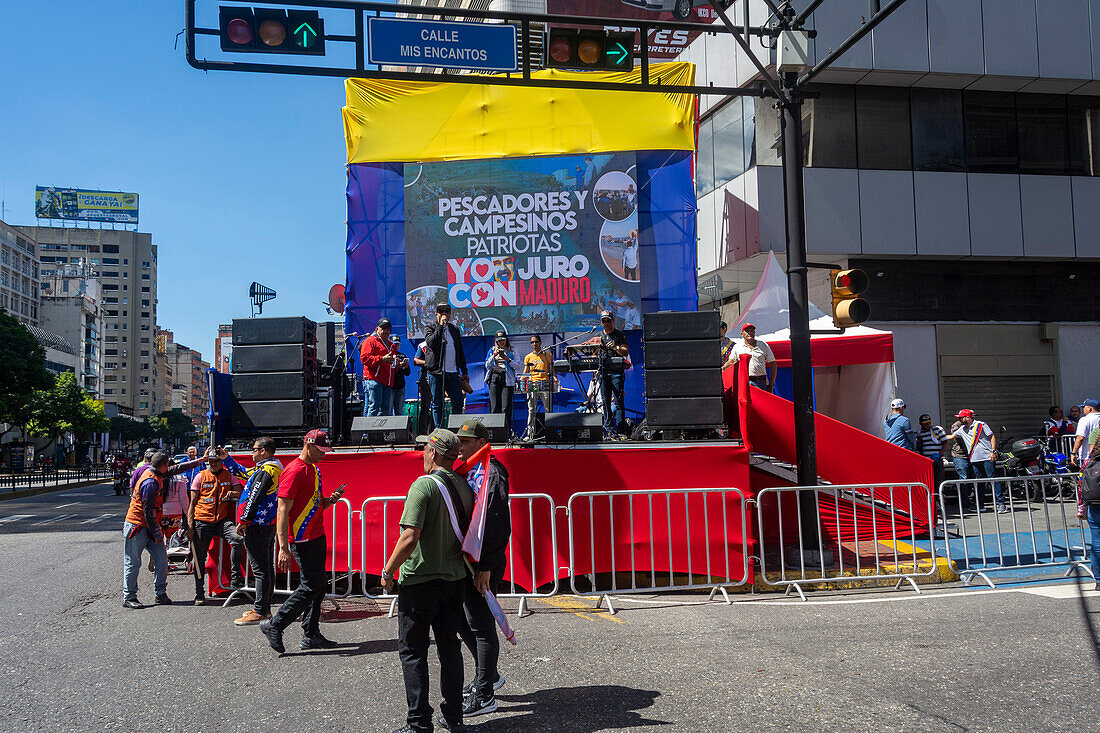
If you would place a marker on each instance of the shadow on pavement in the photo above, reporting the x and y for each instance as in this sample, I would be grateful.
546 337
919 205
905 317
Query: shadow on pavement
576 709
347 650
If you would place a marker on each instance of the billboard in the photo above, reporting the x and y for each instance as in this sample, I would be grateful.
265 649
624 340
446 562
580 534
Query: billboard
664 44
73 203
523 245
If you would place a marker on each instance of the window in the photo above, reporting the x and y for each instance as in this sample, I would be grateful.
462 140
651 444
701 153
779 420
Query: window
145 314
110 301
704 158
145 341
109 288
145 265
145 353
144 405
882 125
110 365
108 391
144 303
144 366
1043 128
112 314
145 276
729 141
1084 136
110 273
937 124
145 289
110 352
145 327
110 260
989 119
829 128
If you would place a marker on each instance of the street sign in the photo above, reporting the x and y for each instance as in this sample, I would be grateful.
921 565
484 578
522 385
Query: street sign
444 44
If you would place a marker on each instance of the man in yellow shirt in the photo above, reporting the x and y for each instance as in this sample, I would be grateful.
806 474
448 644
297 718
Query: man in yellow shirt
538 367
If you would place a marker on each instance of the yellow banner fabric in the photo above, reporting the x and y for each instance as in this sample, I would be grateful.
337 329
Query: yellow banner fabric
414 121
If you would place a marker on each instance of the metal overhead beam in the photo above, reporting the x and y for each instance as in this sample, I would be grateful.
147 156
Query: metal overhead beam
776 91
847 44
801 17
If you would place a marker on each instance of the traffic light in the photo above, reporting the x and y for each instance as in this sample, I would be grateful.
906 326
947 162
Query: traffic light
266 30
572 48
848 308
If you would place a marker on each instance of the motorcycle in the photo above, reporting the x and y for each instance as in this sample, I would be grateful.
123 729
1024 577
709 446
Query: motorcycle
1028 457
121 482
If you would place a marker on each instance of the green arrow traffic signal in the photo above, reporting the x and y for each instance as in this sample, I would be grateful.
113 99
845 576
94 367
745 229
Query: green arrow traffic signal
304 30
620 51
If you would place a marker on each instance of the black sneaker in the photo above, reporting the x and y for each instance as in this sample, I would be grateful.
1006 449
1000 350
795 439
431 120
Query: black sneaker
236 584
477 705
274 636
317 642
469 688
164 600
443 723
132 603
200 600
405 729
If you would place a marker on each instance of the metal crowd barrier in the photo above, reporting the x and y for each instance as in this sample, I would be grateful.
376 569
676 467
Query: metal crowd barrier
388 525
601 541
53 477
830 558
1036 532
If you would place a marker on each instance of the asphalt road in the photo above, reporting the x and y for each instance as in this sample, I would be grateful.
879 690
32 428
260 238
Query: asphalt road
953 659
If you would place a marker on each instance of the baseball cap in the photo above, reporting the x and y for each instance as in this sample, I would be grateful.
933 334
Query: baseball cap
1090 402
395 339
606 315
897 403
748 327
924 417
501 335
965 413
473 429
384 323
443 308
318 438
443 441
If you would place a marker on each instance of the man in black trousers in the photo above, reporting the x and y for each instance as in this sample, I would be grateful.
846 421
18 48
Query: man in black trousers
432 579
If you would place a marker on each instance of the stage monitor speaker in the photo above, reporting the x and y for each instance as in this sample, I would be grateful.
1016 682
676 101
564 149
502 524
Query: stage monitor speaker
273 386
679 326
574 427
683 383
287 330
275 358
259 415
684 412
498 433
382 430
683 354
326 342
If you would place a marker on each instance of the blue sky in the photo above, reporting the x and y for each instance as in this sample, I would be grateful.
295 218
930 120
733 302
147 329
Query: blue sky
241 176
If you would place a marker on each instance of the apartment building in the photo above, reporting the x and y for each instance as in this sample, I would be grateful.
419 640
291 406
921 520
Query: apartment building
19 274
70 307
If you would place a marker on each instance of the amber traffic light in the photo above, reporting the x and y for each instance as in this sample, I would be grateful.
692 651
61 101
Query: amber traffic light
848 308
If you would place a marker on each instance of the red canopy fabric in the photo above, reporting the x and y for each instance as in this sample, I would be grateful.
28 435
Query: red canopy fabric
872 348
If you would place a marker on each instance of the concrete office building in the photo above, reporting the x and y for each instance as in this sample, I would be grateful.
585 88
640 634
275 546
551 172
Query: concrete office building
70 307
954 156
127 265
19 276
188 392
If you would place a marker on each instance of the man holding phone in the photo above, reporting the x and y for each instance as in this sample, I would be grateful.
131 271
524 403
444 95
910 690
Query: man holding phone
446 365
300 531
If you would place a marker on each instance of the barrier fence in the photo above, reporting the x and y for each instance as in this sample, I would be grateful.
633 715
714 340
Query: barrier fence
53 477
1040 528
859 533
659 541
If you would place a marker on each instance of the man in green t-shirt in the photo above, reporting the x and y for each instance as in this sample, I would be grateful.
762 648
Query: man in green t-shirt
432 575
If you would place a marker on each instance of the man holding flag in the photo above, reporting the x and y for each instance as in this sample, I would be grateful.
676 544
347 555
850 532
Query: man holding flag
486 543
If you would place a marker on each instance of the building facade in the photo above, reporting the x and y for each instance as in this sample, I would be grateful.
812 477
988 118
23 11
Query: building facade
19 274
127 265
70 307
954 155
223 348
188 393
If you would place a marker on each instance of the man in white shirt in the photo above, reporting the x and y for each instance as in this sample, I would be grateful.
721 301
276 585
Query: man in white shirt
981 445
630 257
1090 420
762 365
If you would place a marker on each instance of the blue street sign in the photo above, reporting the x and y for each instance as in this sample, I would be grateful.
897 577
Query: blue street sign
446 44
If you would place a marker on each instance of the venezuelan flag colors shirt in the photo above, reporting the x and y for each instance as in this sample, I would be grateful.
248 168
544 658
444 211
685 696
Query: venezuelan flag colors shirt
301 483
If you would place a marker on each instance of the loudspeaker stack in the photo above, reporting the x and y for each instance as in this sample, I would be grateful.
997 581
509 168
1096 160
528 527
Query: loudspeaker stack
274 374
683 376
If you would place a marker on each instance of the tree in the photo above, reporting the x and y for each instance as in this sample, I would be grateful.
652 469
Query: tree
65 408
130 431
177 426
22 370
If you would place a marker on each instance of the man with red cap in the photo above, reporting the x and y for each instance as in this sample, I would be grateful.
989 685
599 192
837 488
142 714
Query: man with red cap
762 365
300 531
980 444
378 358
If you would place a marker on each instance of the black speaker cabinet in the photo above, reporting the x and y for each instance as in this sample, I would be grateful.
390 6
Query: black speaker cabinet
680 325
288 330
326 342
672 354
494 422
271 414
683 383
574 427
382 430
274 358
273 386
683 412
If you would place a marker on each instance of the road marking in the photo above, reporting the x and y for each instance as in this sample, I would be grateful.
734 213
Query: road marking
100 518
71 503
77 493
55 519
1059 591
577 607
15 518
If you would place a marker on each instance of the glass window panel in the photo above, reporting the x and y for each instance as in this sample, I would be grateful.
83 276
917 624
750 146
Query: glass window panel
748 122
704 160
882 124
768 146
989 119
937 130
729 141
829 128
1043 133
1084 136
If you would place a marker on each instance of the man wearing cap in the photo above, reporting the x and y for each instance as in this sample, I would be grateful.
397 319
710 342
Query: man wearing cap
896 426
214 494
762 365
300 531
1090 420
538 367
427 562
446 364
980 444
378 359
401 369
931 440
479 629
612 345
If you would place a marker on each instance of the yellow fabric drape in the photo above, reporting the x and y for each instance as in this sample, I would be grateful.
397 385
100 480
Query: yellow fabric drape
414 121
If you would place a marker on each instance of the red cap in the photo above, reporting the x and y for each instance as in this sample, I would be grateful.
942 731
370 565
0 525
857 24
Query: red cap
747 325
965 413
318 438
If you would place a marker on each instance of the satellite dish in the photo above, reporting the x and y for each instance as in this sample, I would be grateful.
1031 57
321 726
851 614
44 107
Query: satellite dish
336 298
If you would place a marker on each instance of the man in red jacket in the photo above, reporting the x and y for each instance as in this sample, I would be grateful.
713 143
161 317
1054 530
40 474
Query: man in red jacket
378 359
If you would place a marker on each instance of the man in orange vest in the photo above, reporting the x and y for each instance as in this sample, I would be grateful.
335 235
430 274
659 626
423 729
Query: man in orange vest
143 531
214 494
